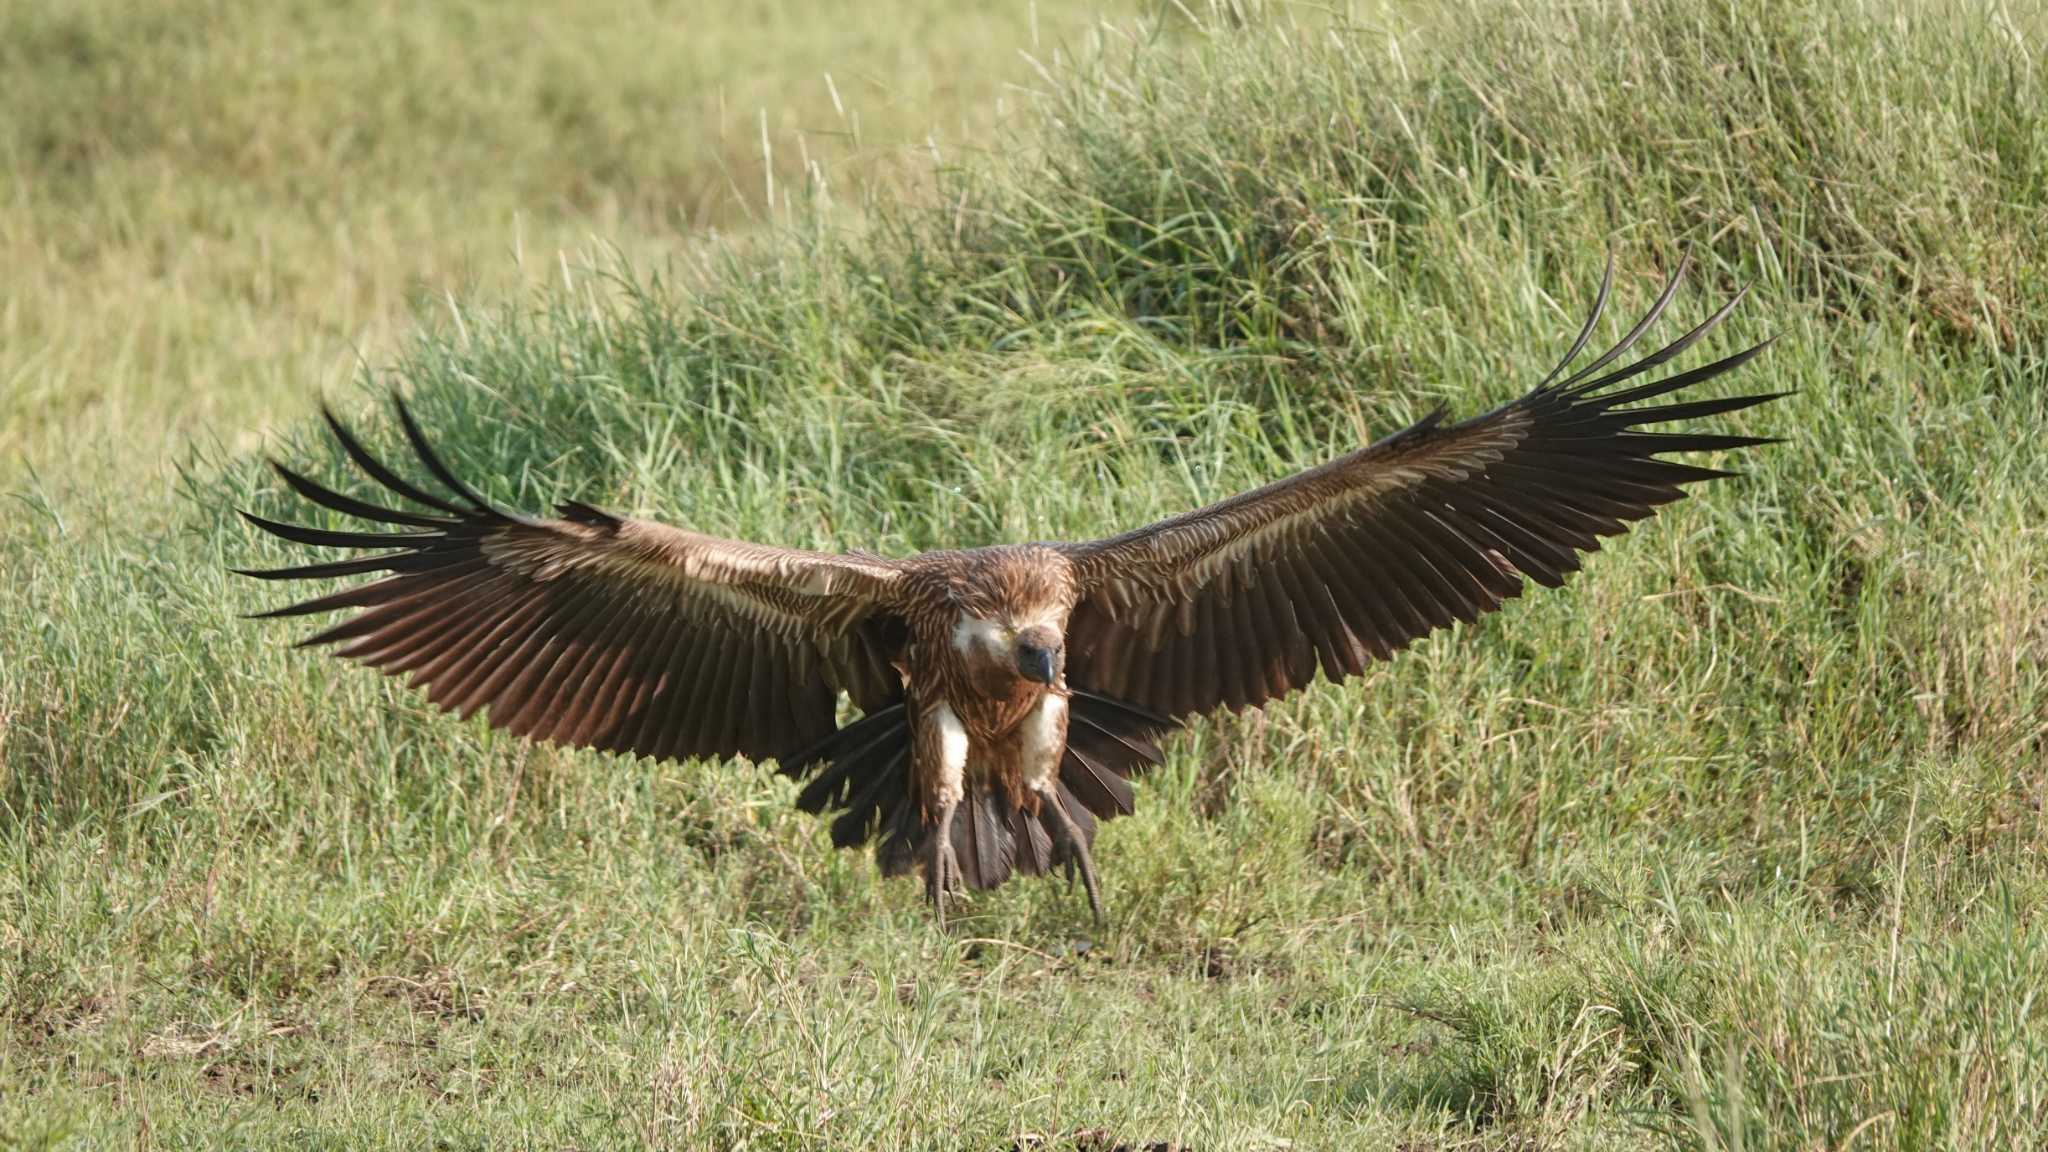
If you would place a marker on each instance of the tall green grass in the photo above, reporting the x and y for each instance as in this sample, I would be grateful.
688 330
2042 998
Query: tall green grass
1735 843
210 208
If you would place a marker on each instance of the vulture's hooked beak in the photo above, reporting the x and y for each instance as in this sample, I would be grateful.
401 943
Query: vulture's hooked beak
1036 662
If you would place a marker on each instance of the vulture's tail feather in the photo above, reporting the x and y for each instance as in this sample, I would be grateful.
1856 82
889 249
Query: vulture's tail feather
875 805
1034 843
862 770
848 753
897 838
1108 742
984 838
865 772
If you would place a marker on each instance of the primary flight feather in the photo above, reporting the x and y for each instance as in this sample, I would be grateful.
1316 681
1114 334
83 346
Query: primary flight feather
1007 694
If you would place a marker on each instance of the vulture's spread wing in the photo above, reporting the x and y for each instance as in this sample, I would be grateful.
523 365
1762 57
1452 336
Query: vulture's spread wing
1348 562
594 630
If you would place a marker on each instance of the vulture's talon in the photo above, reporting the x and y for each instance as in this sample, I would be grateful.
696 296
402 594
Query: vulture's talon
1073 847
1088 882
942 868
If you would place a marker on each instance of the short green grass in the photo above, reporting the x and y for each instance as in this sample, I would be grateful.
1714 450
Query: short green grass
1735 843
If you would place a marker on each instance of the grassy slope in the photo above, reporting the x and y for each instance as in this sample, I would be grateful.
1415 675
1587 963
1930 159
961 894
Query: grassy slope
210 208
1736 842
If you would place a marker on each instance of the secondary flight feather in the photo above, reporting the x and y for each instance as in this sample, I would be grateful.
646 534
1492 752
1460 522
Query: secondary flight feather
1009 694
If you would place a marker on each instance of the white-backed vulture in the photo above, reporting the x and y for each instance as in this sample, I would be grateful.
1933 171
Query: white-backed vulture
1008 693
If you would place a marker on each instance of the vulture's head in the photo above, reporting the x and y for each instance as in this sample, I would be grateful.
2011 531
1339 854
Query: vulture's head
1013 611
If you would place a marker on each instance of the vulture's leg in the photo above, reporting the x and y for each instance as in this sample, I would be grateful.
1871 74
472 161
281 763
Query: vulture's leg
941 866
1068 839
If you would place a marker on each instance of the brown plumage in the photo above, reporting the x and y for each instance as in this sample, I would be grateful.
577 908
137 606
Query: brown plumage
1007 694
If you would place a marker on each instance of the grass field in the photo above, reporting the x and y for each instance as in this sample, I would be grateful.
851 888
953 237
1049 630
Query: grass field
1735 843
215 208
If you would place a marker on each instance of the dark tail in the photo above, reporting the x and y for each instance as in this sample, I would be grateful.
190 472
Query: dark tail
1108 742
985 838
991 839
865 774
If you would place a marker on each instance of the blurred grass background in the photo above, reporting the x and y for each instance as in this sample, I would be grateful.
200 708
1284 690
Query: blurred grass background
1735 843
211 210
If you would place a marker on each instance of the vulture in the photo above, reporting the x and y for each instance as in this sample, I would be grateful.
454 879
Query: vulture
1006 695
